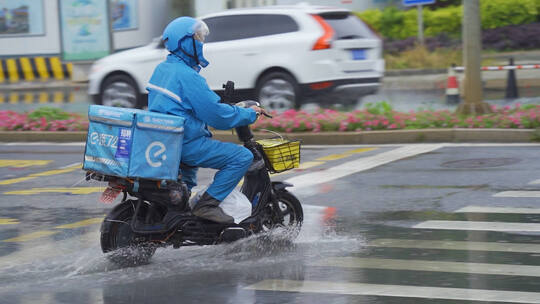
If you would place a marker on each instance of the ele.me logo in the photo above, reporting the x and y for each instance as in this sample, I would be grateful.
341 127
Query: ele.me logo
153 153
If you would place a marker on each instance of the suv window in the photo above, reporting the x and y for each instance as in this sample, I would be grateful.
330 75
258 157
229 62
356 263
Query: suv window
235 27
347 26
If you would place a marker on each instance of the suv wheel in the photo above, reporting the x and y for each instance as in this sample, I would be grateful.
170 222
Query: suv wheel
277 91
120 91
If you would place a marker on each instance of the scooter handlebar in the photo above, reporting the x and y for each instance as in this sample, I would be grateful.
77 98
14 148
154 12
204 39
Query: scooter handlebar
250 103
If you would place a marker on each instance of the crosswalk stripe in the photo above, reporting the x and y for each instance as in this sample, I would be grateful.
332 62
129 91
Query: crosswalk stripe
481 226
361 164
424 265
456 245
518 194
346 288
487 209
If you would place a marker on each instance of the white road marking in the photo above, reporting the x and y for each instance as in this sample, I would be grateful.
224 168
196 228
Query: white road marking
345 288
358 165
487 209
424 265
481 226
535 182
518 194
456 245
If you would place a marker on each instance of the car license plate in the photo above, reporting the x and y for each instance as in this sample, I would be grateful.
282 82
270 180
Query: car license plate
358 54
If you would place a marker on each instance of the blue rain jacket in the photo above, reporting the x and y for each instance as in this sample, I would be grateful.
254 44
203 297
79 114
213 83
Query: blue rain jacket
177 88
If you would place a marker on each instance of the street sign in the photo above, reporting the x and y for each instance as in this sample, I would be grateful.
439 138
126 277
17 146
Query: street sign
417 2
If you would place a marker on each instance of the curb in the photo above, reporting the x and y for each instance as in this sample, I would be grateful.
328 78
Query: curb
331 138
411 72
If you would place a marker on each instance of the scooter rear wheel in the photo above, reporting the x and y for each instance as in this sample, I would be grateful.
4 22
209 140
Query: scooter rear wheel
117 239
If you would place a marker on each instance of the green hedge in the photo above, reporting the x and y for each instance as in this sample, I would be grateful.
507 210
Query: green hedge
393 23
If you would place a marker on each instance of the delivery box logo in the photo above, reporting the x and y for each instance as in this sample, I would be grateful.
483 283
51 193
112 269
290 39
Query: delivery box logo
153 153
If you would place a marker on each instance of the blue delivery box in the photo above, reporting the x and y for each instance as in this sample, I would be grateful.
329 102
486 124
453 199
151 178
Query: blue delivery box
133 143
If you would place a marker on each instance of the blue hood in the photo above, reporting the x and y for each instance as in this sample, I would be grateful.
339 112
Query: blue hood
186 44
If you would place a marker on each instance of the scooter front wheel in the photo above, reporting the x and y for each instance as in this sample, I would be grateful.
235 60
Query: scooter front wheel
290 214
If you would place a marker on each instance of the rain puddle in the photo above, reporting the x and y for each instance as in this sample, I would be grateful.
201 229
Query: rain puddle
78 262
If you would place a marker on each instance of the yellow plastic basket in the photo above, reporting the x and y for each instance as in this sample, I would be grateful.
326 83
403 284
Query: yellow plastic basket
281 154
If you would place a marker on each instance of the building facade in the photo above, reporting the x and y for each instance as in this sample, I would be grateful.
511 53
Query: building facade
34 27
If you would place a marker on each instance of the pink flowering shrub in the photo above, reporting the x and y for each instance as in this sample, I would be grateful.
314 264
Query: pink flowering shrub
43 119
527 117
522 117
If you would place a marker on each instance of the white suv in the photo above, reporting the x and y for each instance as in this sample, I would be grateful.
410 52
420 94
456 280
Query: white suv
282 56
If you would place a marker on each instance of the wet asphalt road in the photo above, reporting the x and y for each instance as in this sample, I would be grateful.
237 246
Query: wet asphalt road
413 224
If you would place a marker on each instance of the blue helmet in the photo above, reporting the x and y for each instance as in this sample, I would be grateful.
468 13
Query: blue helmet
186 28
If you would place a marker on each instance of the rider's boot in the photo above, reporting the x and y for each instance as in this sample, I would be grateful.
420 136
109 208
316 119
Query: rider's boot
208 208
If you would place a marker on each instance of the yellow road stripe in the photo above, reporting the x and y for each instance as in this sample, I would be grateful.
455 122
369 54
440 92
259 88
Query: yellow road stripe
43 97
27 68
8 221
56 67
344 154
1 98
19 163
88 222
58 97
12 70
2 79
72 190
28 98
303 166
31 236
333 157
42 68
35 175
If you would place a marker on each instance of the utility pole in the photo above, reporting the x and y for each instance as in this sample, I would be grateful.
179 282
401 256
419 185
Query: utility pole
472 47
420 24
